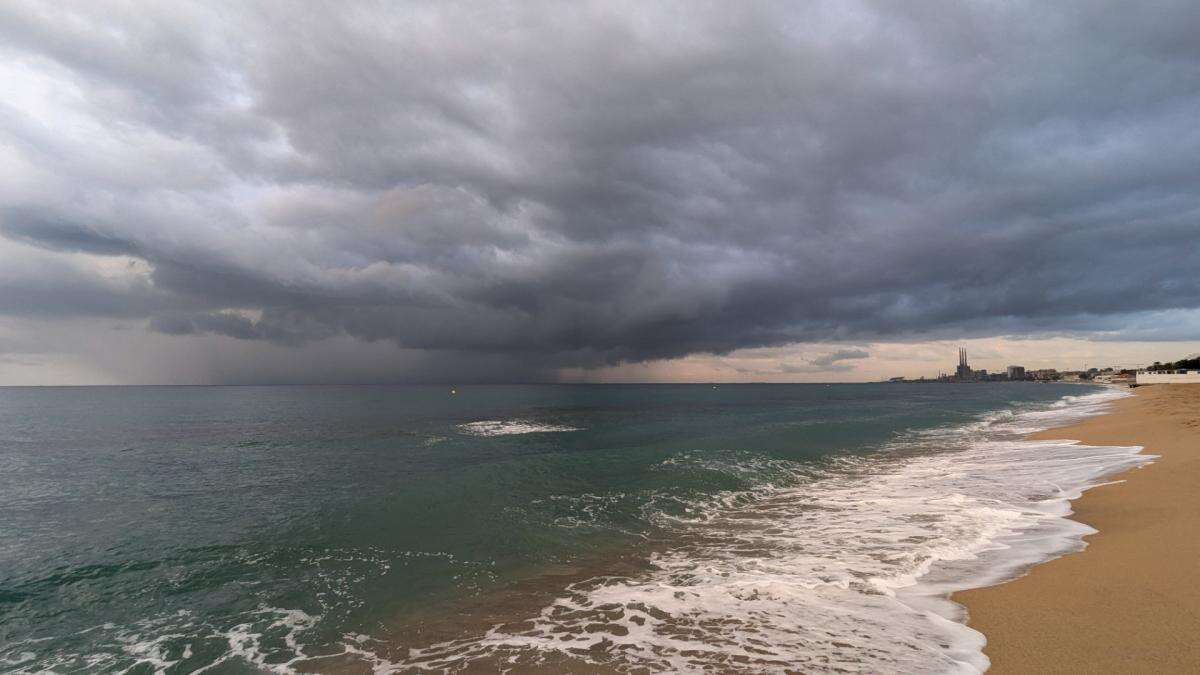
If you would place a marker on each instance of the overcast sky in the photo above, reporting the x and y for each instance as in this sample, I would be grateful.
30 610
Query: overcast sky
214 192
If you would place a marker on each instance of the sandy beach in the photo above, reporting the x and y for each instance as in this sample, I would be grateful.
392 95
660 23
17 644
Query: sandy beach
1130 602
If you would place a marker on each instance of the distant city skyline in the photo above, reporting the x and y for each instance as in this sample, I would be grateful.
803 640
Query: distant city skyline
54 358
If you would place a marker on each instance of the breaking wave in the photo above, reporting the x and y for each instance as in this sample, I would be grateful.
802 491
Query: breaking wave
847 571
842 566
509 427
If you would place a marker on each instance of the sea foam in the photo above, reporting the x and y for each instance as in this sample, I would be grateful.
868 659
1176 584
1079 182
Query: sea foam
848 571
510 427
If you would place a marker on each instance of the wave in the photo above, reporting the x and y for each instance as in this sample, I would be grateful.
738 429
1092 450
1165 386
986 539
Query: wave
849 570
843 566
510 427
268 639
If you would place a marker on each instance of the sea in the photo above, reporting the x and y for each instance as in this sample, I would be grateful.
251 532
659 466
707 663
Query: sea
529 528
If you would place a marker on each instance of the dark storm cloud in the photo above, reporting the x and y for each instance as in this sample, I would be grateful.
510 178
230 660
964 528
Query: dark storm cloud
48 231
572 184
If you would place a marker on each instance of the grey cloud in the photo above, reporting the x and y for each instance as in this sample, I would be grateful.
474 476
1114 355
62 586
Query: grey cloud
827 363
840 355
590 183
288 330
810 369
47 230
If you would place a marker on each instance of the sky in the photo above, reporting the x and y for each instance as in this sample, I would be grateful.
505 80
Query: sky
230 192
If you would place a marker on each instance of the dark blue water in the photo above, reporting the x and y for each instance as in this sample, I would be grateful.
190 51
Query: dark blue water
174 528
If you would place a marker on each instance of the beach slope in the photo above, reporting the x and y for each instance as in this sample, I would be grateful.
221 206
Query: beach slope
1130 602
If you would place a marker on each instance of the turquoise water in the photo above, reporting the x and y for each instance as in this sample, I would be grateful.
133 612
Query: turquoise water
251 528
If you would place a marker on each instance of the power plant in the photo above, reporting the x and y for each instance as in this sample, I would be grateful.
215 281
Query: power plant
964 371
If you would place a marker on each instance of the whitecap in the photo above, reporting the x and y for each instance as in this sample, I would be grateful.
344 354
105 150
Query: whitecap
510 427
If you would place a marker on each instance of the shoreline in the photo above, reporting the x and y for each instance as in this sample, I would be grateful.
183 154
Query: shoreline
928 598
1130 600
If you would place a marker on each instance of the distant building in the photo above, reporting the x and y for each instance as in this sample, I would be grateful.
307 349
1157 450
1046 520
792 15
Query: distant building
1179 376
1016 372
1113 376
963 372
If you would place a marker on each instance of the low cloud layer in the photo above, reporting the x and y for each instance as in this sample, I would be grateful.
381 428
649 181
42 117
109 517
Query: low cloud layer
840 355
550 185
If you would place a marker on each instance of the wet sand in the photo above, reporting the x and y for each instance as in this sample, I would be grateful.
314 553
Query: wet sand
1129 602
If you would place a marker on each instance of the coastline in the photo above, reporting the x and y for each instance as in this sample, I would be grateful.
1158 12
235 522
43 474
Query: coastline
762 578
1130 601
